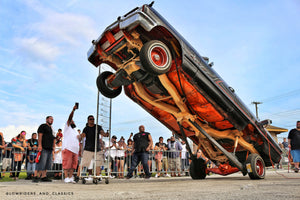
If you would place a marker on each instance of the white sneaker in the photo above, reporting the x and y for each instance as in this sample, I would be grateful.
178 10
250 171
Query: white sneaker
156 175
168 175
72 180
67 180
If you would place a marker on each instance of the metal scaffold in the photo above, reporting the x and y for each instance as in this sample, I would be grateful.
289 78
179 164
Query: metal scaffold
103 118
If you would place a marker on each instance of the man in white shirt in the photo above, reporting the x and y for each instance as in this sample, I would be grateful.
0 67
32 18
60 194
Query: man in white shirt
70 148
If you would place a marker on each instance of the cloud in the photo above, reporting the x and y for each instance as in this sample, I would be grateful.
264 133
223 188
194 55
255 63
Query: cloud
37 49
67 28
5 50
52 38
8 93
14 73
60 27
12 131
16 111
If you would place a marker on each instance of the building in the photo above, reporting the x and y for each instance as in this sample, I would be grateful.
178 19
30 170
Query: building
274 131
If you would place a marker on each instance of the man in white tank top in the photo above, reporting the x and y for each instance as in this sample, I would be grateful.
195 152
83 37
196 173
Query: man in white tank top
70 148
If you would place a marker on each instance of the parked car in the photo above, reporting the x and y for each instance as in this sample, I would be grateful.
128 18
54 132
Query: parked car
165 75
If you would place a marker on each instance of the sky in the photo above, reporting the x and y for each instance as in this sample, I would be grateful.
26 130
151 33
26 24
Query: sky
255 47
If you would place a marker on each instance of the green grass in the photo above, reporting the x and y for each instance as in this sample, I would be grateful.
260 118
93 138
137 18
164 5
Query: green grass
6 178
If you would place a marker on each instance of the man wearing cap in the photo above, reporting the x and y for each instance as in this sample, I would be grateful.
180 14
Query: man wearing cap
142 144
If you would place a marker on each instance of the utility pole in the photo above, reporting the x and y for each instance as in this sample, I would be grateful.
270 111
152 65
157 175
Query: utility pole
256 107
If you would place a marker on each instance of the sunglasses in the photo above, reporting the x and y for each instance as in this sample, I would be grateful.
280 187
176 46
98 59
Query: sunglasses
23 133
91 119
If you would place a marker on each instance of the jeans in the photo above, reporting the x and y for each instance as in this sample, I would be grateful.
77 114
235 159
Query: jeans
45 162
136 159
184 164
30 168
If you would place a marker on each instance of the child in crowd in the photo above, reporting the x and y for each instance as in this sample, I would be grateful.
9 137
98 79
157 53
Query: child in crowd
57 163
31 164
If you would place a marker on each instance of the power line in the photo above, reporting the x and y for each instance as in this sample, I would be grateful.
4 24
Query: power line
285 113
280 96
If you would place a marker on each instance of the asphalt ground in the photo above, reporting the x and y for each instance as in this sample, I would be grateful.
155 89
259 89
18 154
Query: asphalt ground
277 185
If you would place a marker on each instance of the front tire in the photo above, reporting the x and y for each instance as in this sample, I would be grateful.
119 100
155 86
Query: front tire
255 166
104 88
155 57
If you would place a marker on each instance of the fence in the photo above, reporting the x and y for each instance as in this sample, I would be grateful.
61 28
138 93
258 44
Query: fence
14 161
161 163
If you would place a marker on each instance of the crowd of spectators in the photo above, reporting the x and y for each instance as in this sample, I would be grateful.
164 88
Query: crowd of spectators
170 158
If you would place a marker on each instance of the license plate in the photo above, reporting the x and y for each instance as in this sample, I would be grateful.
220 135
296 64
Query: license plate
248 166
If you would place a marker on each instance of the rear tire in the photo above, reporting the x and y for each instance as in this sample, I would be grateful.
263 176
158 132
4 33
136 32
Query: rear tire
198 169
155 57
255 166
104 88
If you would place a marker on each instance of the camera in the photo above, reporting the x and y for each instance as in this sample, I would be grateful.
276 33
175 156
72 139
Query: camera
77 105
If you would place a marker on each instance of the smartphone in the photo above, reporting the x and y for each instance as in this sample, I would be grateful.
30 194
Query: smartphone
77 105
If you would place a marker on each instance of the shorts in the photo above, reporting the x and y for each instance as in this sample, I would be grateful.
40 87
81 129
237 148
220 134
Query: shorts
91 164
45 162
89 155
69 159
174 163
6 162
120 158
296 155
165 164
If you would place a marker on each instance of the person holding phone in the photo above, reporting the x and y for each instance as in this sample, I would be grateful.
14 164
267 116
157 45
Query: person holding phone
70 148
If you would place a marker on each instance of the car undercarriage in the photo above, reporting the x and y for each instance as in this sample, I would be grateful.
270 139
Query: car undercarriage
162 73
